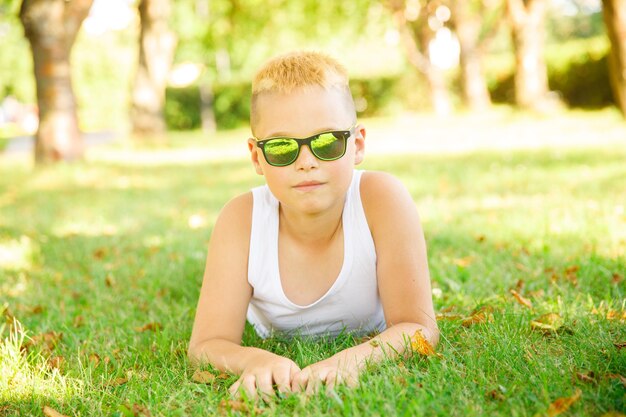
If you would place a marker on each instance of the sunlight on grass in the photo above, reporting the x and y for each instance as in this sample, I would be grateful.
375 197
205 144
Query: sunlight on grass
17 253
25 375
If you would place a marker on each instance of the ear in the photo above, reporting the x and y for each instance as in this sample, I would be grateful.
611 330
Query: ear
359 143
254 156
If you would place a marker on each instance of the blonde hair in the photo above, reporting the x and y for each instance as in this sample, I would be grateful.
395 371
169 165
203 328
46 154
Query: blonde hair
287 73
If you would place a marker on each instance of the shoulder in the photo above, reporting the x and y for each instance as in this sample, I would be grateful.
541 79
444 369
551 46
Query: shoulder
386 201
236 216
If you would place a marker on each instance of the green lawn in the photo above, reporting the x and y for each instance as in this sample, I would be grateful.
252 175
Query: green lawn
111 255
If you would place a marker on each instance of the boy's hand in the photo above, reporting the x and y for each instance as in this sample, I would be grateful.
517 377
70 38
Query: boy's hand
328 372
263 373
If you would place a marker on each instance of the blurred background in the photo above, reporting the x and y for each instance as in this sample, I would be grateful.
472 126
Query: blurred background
133 70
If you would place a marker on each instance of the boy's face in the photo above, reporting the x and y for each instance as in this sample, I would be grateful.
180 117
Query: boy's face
308 185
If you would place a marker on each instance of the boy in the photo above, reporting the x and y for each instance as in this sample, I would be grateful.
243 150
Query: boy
322 248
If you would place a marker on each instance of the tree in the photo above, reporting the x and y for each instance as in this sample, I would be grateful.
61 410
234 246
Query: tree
51 27
475 23
526 18
156 51
412 19
614 12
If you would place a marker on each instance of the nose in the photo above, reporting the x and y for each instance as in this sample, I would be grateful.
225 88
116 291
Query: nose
306 160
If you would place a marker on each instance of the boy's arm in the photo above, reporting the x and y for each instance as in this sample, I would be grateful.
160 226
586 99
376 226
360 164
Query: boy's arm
221 313
403 284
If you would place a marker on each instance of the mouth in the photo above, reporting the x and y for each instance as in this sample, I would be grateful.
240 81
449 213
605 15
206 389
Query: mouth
308 185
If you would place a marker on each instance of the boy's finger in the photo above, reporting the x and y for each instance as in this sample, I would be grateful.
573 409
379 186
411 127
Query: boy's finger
264 384
331 380
249 386
283 381
235 387
299 381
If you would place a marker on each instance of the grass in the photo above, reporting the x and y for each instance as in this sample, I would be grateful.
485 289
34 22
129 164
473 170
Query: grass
111 254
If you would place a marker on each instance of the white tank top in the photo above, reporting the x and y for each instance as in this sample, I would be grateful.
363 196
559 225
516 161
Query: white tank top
352 304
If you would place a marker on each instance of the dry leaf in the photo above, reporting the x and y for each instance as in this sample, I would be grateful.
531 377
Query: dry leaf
620 345
482 314
374 343
222 375
420 345
94 358
616 278
202 377
56 362
109 281
448 316
523 301
550 322
116 382
561 405
237 405
140 410
589 377
464 262
495 394
618 376
536 294
78 321
47 341
447 309
51 412
480 238
99 253
154 326
37 309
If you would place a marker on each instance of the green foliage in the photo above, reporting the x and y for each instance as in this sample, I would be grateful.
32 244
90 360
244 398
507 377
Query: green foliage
577 71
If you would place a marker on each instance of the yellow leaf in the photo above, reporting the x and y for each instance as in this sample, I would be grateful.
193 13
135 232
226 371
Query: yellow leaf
547 322
523 301
51 412
420 345
202 377
563 404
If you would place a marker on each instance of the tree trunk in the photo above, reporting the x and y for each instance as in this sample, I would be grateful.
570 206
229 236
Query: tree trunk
156 50
615 20
51 27
526 18
416 36
467 26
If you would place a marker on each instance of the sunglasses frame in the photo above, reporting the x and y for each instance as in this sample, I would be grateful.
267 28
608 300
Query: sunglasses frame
307 141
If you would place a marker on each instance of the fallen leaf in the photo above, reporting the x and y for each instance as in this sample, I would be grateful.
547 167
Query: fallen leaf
550 322
616 315
482 314
237 405
94 358
37 309
51 412
519 285
523 301
47 341
448 316
99 253
223 375
616 278
618 376
620 345
536 294
447 309
140 410
78 321
589 377
202 377
374 343
154 326
116 382
420 345
109 281
56 362
464 262
561 405
480 238
496 394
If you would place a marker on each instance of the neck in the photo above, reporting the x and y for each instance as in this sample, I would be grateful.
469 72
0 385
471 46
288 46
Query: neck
312 229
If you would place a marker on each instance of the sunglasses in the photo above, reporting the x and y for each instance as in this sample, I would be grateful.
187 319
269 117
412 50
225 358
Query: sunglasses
326 146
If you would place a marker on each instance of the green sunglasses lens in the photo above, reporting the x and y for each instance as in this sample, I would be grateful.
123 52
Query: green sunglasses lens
329 146
281 151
